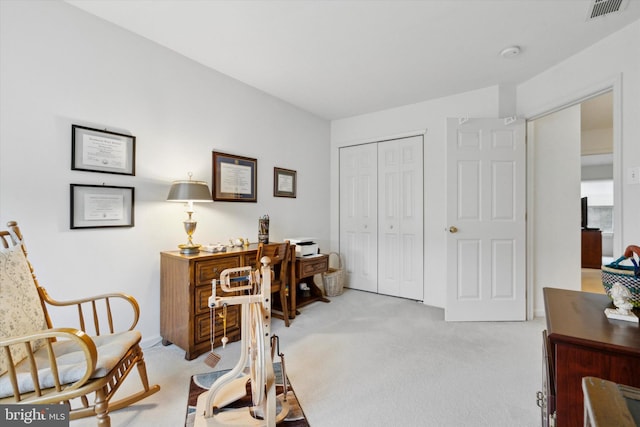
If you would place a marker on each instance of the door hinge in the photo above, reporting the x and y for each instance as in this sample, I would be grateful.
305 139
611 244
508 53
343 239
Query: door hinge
540 400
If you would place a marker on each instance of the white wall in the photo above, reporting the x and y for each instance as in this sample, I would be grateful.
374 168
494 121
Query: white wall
430 116
613 62
60 66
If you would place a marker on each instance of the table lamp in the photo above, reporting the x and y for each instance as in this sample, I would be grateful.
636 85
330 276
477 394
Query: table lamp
189 191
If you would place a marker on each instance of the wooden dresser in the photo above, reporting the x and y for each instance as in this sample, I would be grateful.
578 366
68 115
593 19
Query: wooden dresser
582 342
185 288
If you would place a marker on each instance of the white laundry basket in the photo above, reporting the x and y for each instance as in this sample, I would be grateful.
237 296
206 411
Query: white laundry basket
333 279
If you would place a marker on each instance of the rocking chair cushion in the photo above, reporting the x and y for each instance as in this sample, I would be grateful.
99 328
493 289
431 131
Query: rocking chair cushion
71 362
22 312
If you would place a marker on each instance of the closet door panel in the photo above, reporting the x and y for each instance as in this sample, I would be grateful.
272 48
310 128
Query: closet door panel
400 218
358 216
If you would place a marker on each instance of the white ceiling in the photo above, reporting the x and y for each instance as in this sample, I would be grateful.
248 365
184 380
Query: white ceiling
339 58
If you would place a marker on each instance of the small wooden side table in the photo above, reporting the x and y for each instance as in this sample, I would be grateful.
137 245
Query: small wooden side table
303 270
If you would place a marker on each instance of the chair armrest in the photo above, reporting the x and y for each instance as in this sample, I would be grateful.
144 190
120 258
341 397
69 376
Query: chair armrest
81 339
94 309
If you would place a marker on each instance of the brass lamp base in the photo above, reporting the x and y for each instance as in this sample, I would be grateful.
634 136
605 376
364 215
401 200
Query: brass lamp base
189 227
189 248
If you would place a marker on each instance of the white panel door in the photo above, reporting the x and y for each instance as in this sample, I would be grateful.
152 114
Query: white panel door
400 218
486 205
358 215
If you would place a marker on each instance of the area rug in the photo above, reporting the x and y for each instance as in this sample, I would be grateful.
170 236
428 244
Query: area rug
201 383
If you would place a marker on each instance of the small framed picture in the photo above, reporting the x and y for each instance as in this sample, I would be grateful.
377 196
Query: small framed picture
234 178
284 182
100 206
96 150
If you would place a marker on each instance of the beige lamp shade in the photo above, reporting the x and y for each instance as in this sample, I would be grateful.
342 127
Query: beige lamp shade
189 191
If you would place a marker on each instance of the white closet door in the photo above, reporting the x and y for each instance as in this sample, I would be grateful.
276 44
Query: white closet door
358 215
400 218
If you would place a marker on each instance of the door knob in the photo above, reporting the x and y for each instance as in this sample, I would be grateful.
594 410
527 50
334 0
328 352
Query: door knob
453 229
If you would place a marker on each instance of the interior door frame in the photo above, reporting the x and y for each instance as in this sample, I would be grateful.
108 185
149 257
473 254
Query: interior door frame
614 85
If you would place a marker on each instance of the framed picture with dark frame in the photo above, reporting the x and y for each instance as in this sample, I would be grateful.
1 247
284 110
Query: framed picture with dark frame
284 182
96 150
101 206
234 178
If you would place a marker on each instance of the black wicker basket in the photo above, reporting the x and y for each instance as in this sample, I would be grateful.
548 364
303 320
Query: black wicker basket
627 275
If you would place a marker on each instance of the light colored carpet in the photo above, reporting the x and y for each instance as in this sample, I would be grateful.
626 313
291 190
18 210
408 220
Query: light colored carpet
371 360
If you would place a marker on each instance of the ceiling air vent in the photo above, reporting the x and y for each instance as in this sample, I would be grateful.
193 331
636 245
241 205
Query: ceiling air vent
599 8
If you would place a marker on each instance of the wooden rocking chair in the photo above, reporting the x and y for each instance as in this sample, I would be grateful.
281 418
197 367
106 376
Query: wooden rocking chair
40 364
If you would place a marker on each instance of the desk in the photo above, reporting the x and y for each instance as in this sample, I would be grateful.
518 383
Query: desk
303 270
582 342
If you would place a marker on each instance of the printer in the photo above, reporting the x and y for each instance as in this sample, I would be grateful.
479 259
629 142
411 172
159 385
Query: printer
305 246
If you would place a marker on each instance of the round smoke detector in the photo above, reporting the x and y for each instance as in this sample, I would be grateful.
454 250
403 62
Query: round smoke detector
510 52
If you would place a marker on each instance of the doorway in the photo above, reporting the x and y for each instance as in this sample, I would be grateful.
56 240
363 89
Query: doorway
575 147
596 189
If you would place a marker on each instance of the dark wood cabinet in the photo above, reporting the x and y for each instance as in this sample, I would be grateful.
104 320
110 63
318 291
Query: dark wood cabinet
591 248
185 288
583 342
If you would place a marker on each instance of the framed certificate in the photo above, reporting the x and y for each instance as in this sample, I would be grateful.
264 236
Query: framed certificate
284 182
97 150
234 178
99 206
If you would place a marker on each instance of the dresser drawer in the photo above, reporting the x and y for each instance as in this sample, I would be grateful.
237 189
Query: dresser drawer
202 325
209 270
201 300
309 266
